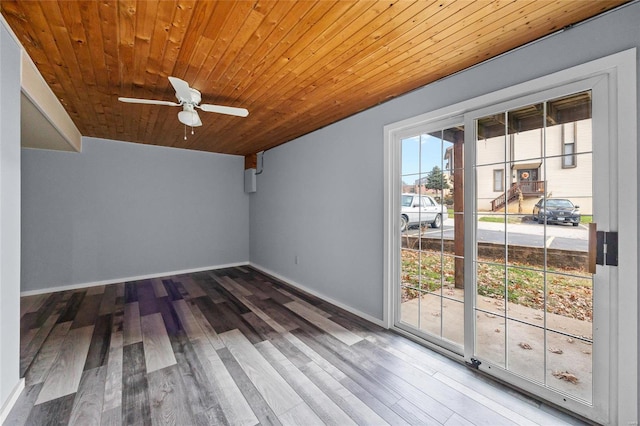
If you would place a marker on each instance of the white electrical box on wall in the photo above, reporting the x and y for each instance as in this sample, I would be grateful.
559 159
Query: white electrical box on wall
250 181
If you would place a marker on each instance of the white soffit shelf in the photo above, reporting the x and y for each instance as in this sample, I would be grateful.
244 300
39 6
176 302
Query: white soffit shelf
45 123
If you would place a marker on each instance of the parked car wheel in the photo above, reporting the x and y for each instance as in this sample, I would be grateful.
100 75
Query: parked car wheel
404 223
437 222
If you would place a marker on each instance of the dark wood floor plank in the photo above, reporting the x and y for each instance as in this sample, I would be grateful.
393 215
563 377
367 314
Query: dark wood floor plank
47 354
87 404
261 409
282 357
48 308
72 307
20 412
54 412
359 391
88 311
341 396
222 318
35 345
131 324
329 412
191 286
169 316
351 368
168 399
65 374
147 301
273 388
135 389
113 385
198 389
235 407
172 290
130 292
100 341
108 303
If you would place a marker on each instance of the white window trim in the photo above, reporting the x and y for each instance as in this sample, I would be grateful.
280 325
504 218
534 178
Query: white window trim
621 68
500 182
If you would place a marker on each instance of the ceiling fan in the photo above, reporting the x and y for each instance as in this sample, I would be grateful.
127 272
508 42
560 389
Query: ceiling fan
189 99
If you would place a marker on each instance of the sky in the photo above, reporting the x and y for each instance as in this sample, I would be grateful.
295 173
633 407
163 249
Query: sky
421 154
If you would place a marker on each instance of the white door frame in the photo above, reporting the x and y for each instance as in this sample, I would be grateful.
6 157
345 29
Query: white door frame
620 69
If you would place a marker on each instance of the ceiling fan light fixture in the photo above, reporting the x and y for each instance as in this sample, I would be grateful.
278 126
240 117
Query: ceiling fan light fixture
189 118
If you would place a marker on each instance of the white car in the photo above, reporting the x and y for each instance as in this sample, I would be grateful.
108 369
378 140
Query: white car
419 210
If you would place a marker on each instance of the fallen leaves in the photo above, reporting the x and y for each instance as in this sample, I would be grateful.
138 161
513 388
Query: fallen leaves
566 376
556 350
524 345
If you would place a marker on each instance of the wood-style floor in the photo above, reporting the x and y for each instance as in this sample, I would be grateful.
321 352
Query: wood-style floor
236 347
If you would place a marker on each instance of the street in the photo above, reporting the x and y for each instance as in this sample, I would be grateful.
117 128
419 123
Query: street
529 234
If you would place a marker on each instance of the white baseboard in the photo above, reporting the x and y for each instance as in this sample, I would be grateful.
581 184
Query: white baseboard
11 401
125 279
341 305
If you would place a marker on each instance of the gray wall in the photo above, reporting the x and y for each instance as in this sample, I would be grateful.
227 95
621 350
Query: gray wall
321 196
120 210
9 214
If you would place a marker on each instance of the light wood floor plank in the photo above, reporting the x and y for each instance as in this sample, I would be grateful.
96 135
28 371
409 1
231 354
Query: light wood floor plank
304 303
21 410
206 326
35 343
347 401
132 331
273 388
157 347
281 357
188 321
487 402
233 403
336 330
167 398
32 303
259 312
112 417
41 365
457 420
87 404
64 377
328 412
192 287
113 385
158 288
97 289
301 414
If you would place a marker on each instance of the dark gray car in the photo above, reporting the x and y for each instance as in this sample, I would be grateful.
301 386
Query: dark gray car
556 210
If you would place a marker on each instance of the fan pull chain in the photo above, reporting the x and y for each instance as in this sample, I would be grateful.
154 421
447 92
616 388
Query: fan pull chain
185 132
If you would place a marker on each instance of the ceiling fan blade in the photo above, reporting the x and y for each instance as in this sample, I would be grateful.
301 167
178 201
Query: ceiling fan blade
183 91
189 118
148 101
240 112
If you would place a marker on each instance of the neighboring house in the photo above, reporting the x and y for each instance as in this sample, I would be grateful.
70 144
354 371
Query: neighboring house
559 168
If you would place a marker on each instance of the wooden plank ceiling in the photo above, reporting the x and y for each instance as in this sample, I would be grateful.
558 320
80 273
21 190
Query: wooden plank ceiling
295 65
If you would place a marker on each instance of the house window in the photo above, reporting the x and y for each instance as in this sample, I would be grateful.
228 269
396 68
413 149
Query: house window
569 158
498 180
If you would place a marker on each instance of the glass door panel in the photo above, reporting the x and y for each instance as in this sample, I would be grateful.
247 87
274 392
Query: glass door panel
431 296
533 199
